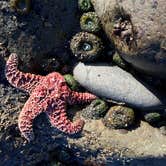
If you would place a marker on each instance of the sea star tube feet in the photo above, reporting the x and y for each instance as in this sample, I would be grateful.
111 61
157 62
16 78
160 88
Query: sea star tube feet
49 94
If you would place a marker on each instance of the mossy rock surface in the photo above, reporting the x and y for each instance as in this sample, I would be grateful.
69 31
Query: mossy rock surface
138 29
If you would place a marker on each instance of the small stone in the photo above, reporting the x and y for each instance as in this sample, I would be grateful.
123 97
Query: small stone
119 117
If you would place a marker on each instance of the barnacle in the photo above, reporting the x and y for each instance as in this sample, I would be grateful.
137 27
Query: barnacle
119 26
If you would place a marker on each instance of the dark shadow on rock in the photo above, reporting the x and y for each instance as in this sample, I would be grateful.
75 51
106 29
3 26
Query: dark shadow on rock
16 151
50 147
153 161
2 71
47 147
90 157
44 32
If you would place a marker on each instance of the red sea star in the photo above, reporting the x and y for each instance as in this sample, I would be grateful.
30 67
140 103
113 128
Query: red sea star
48 94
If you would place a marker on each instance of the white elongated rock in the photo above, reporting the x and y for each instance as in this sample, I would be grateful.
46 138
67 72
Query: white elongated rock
114 83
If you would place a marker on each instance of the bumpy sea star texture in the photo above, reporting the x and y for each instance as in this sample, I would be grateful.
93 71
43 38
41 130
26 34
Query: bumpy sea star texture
48 94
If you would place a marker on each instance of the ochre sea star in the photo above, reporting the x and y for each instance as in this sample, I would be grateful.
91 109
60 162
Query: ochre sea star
48 94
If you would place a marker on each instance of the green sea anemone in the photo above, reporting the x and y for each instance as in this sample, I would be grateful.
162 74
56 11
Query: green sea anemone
86 46
90 22
21 6
119 117
119 61
72 83
85 5
152 117
95 110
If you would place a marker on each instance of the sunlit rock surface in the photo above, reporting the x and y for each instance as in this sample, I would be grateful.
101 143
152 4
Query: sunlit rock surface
138 29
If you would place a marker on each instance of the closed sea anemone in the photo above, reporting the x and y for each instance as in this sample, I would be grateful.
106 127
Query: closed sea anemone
119 117
71 82
96 110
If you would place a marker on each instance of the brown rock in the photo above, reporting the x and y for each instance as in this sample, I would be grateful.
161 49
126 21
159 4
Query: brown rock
138 29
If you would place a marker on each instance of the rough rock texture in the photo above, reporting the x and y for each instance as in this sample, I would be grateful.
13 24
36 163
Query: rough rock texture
14 150
44 33
95 146
112 82
141 141
138 29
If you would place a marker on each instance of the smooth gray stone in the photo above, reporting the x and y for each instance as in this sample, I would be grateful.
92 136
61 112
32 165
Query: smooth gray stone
116 84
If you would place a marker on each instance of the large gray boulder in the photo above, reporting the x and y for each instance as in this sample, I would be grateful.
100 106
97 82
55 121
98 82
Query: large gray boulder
138 29
114 83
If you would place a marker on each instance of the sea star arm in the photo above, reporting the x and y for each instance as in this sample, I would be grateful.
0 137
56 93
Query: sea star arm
23 81
25 121
80 98
58 119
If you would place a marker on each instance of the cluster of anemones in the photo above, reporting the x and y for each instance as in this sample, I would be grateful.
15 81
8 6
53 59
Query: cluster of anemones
86 45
